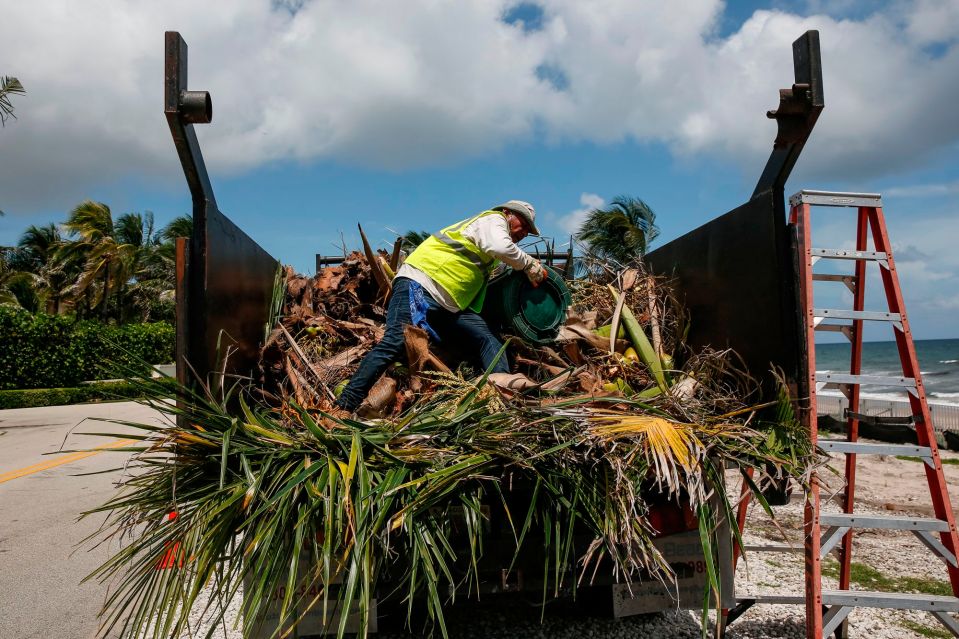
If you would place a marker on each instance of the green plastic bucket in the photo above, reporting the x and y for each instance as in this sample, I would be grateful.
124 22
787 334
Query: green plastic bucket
534 313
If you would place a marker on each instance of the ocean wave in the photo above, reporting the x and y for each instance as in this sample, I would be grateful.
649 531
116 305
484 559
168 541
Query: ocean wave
944 399
889 397
949 361
887 373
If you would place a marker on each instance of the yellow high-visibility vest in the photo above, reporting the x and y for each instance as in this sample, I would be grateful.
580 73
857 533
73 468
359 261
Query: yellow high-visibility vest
455 263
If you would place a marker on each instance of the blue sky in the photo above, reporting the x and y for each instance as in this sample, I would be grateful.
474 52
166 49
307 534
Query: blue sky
415 115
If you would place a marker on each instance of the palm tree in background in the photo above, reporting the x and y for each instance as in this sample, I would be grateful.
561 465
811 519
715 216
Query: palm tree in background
153 275
181 226
620 232
40 244
121 268
412 239
14 283
164 257
106 258
20 279
40 247
8 86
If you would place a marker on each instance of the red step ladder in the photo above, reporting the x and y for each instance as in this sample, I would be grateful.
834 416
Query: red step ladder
827 610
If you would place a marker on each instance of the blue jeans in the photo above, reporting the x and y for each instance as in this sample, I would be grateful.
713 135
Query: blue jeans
465 325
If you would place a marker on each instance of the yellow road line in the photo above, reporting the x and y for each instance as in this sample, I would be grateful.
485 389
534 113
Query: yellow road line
66 459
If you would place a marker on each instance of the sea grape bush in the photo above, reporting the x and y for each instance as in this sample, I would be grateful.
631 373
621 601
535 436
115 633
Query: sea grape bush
52 351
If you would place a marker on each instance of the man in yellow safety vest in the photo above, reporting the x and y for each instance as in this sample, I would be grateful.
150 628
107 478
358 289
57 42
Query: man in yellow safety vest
441 288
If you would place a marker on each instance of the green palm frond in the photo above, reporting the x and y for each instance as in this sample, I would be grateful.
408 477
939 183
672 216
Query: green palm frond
256 490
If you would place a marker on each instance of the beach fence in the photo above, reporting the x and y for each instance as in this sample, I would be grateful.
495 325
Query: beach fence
945 417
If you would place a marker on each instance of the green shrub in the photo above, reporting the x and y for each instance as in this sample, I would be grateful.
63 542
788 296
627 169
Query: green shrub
51 351
97 392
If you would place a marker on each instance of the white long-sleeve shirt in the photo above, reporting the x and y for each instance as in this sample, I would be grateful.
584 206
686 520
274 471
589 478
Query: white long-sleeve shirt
490 234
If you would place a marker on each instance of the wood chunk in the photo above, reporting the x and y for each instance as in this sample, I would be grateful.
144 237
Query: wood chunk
418 351
379 399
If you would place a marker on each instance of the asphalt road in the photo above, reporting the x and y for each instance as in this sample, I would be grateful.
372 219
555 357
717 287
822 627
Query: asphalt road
41 558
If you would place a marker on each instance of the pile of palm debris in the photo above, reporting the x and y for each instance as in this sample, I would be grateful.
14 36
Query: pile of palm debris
600 427
330 321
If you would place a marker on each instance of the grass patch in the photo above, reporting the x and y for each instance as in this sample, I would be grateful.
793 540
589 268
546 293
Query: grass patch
871 579
945 462
98 392
924 630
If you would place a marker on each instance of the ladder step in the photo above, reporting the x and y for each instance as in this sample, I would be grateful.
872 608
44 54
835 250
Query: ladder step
772 599
861 448
894 600
845 329
772 548
873 380
874 316
883 523
833 277
848 254
835 198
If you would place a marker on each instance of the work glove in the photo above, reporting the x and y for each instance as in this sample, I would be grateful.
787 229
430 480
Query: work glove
536 273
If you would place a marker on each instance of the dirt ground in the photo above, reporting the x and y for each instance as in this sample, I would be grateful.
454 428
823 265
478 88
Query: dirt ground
897 485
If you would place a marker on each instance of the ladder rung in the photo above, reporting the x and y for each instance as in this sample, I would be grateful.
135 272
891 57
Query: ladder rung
844 254
835 198
875 316
846 378
884 523
845 329
772 548
772 599
862 448
832 277
895 600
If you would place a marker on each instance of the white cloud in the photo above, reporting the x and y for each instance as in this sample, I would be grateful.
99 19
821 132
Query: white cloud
933 21
944 303
922 190
928 267
399 85
572 221
908 253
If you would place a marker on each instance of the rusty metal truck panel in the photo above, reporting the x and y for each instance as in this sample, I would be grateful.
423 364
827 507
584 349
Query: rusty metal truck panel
228 278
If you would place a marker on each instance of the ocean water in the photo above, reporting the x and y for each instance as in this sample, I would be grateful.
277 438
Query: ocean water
938 364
